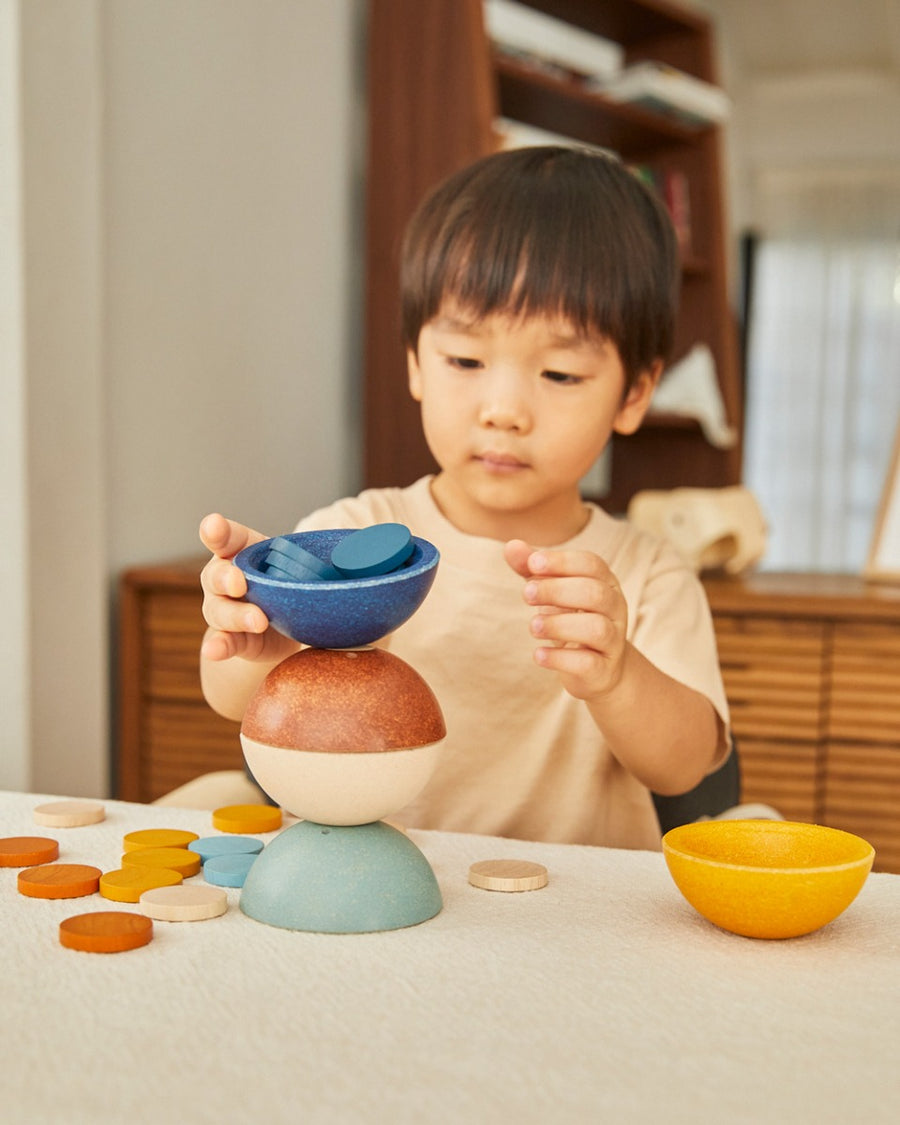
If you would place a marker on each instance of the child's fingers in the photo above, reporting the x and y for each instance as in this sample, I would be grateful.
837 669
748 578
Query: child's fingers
221 577
589 595
230 615
517 552
568 564
584 630
224 537
583 671
219 645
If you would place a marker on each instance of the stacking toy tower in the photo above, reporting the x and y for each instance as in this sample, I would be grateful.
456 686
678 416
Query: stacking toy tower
341 734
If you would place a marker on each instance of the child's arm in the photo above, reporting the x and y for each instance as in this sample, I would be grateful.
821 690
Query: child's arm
663 732
239 647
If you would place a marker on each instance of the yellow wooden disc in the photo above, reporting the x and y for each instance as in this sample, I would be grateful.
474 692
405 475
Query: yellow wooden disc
129 883
187 903
158 838
182 860
247 818
508 875
69 814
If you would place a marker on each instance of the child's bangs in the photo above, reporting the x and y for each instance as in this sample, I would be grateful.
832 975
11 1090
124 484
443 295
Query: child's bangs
513 267
556 232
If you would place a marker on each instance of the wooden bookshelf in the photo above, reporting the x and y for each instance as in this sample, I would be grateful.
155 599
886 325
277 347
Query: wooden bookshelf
436 87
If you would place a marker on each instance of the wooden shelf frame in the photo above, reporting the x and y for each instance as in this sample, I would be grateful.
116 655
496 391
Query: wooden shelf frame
435 89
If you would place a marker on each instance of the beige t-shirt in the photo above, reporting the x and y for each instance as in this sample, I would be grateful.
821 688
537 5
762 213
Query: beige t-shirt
523 758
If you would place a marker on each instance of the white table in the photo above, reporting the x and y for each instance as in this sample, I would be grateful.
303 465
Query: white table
601 998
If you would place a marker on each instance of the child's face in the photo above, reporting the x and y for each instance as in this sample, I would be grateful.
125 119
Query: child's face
515 412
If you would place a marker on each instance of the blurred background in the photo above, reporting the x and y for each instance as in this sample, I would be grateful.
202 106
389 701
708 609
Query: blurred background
182 256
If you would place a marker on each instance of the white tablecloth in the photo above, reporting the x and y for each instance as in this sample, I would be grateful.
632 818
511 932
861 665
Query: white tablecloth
601 998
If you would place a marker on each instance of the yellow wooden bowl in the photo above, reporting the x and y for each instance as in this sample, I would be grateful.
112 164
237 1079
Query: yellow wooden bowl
767 878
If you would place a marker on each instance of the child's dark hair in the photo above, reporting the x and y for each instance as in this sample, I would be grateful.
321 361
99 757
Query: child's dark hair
552 230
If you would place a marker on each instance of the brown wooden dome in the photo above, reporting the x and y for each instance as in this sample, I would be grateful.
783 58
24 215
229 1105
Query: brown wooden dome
362 701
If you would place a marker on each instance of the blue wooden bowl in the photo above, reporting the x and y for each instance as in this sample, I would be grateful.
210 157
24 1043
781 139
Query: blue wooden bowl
338 613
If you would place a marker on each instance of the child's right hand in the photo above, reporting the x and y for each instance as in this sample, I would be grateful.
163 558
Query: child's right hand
236 628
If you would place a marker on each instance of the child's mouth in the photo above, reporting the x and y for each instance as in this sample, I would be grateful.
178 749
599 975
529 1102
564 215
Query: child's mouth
500 462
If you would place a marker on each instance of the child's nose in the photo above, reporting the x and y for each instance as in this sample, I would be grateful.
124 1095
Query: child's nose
504 407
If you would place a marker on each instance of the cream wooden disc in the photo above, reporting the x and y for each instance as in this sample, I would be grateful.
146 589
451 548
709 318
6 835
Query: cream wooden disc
69 814
508 875
186 903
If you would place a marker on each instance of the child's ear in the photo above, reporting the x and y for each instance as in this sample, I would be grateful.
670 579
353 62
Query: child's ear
637 400
414 374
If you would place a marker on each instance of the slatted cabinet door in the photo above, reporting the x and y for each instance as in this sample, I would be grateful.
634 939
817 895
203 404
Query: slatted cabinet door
167 732
772 669
862 790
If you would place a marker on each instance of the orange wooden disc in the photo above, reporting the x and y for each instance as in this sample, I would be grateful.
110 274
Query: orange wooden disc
26 851
247 818
185 862
59 880
105 931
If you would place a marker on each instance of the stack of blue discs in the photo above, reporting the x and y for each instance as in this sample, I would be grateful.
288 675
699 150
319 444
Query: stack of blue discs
375 550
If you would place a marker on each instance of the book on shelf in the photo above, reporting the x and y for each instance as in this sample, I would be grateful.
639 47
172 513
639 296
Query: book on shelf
668 91
676 193
673 187
550 43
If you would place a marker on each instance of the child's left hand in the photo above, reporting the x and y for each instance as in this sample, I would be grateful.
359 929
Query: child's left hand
581 613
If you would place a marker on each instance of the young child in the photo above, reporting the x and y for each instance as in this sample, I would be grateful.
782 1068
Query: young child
573 656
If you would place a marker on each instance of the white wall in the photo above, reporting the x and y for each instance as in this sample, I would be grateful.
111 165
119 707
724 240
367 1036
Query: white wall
815 114
14 653
230 270
190 258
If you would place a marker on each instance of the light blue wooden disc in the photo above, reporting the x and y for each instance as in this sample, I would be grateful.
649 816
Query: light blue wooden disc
228 870
341 880
211 846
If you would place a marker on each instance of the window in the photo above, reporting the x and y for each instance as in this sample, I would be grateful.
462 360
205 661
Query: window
823 364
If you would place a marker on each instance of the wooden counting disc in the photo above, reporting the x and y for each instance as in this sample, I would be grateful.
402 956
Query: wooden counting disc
69 814
105 931
228 870
374 550
129 883
508 875
59 880
247 818
184 903
211 846
158 838
287 558
26 851
182 860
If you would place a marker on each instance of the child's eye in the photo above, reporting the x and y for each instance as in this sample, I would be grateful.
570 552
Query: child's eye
561 378
464 363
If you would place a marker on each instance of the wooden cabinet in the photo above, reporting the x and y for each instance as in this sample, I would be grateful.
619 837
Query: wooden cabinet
167 734
812 673
435 88
811 667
